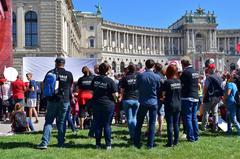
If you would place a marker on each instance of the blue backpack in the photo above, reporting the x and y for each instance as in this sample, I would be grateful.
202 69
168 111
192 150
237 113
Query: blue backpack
50 84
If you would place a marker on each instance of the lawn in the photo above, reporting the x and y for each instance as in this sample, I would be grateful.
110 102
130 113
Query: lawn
210 145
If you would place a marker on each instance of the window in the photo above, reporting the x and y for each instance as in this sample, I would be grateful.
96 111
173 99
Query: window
122 66
31 29
14 30
114 66
91 43
91 28
91 56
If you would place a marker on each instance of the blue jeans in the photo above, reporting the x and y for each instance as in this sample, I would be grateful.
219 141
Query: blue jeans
56 110
102 120
172 124
131 107
30 124
189 110
231 118
69 120
142 111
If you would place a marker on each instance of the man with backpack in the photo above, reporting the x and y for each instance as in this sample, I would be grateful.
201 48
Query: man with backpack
57 88
212 94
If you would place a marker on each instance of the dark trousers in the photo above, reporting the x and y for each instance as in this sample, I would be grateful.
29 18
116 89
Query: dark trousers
142 111
172 125
102 120
1 109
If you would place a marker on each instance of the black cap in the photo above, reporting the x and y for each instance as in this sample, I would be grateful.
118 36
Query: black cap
60 60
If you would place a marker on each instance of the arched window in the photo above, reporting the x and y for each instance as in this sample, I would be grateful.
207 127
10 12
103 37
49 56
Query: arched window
139 65
114 66
91 42
14 29
122 65
31 29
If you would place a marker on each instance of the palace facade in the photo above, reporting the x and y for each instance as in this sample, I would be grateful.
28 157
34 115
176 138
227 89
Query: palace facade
50 27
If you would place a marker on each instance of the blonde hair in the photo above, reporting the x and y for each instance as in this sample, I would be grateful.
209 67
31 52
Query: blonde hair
18 107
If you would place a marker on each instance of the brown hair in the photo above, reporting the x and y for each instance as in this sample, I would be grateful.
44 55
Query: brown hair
18 106
171 71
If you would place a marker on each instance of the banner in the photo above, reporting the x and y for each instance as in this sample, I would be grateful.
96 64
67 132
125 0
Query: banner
5 34
39 66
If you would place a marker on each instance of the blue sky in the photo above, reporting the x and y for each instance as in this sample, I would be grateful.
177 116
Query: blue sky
162 13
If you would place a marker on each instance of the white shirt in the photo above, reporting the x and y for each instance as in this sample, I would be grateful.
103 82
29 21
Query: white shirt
5 91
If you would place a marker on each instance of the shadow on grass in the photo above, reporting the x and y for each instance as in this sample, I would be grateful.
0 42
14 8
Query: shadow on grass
12 145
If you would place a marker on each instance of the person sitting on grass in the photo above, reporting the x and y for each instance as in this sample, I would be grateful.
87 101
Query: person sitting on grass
20 122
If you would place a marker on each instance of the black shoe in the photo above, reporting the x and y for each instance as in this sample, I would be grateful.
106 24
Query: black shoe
168 145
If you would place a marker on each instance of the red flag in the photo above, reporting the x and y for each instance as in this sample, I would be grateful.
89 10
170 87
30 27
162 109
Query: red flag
5 34
238 47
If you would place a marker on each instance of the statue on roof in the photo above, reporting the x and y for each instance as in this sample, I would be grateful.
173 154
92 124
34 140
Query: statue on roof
200 11
99 9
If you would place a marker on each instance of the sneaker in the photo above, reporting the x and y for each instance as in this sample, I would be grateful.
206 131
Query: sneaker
42 147
184 136
98 147
109 147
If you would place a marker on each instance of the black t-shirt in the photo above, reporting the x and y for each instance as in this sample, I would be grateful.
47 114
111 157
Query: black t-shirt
85 82
103 87
129 86
172 89
189 80
65 83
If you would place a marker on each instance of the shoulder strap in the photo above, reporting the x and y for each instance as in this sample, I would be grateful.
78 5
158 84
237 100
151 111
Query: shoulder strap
2 91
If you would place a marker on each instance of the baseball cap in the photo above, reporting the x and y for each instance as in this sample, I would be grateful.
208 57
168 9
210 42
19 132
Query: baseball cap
60 60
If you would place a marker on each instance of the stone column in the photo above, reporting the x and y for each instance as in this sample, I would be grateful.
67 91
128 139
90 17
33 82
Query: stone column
182 46
102 39
20 26
154 45
160 45
142 44
188 39
115 40
193 40
225 44
163 46
133 42
169 46
110 38
172 49
210 38
228 48
178 48
145 44
127 43
136 43
215 38
107 40
124 42
119 41
151 44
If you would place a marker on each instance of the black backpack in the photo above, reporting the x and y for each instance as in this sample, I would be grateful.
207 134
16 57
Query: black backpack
215 88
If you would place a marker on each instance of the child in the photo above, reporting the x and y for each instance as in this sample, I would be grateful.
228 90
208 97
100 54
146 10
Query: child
20 122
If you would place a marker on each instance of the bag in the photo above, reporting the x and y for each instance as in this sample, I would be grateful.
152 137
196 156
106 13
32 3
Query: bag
50 84
20 122
215 88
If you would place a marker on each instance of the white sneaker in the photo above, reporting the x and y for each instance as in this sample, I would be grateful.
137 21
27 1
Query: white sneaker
42 147
109 147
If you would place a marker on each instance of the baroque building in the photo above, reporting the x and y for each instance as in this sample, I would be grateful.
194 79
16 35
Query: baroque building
44 28
194 34
50 27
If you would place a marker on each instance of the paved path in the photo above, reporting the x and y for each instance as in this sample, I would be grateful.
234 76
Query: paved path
5 128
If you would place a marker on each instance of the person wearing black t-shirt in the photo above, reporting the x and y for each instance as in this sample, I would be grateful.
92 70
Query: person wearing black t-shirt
84 92
171 93
58 105
104 99
130 99
189 81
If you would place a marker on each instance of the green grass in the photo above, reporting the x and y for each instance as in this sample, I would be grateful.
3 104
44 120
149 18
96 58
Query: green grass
210 146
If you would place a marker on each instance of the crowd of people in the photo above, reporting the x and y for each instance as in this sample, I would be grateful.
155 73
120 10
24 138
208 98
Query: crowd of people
178 95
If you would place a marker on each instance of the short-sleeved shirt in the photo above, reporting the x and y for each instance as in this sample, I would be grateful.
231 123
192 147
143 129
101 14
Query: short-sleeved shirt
65 85
230 98
172 89
148 85
129 85
84 83
32 94
18 88
103 87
